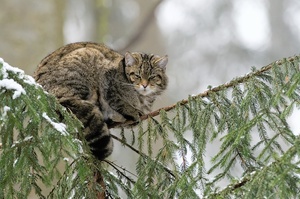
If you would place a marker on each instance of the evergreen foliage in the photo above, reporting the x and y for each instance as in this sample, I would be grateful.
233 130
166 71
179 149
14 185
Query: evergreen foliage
244 120
40 143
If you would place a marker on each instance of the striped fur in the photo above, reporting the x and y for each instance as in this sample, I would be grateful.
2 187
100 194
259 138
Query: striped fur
102 87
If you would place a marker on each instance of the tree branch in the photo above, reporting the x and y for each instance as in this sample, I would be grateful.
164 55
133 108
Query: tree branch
115 166
231 187
142 154
206 93
99 180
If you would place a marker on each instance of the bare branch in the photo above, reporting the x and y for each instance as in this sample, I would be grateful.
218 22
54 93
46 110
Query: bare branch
142 154
115 166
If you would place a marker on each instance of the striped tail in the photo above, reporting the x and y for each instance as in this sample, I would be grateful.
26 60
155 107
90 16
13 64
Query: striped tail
96 131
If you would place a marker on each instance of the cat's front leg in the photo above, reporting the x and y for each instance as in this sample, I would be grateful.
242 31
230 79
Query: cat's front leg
126 106
96 131
131 113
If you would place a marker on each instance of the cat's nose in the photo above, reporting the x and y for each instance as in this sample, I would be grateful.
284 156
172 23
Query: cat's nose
144 85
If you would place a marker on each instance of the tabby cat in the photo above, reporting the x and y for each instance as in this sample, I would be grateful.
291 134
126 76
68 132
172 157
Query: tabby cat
102 87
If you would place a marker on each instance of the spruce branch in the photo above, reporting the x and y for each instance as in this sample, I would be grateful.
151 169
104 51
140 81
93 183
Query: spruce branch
61 177
288 156
208 92
230 188
275 119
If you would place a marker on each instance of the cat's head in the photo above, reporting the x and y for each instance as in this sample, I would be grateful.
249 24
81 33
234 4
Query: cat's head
146 72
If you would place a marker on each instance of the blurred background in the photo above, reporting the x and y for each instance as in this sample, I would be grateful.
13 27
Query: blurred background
208 42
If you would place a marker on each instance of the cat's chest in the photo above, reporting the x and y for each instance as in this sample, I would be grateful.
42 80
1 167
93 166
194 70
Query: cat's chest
145 103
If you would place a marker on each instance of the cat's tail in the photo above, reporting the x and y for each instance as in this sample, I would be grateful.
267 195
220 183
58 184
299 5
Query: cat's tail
96 131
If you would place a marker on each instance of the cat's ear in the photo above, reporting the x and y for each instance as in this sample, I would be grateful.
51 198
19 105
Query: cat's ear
129 59
162 62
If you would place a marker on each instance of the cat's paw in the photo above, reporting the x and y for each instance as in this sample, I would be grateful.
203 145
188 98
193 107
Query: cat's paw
118 118
135 117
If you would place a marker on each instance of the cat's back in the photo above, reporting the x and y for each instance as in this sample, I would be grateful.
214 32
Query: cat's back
75 67
81 51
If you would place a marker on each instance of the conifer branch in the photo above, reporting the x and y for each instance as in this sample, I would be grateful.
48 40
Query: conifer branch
286 157
225 86
61 177
230 187
206 93
285 162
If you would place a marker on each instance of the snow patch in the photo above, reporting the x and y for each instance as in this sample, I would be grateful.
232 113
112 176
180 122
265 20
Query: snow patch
5 110
29 80
28 138
74 176
60 127
21 74
79 142
15 162
72 194
8 67
66 159
14 144
10 84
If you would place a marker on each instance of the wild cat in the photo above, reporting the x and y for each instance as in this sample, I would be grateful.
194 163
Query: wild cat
101 87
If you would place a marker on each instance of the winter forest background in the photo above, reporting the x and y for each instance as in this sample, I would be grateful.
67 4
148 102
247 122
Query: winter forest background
208 42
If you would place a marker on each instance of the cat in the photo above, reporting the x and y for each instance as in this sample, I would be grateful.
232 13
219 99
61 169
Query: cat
102 87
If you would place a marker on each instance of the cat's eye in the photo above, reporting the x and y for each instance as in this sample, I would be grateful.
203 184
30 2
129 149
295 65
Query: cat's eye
134 77
156 79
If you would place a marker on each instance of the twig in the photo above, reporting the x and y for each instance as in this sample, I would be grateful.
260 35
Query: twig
126 144
231 188
118 170
142 154
142 28
59 180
